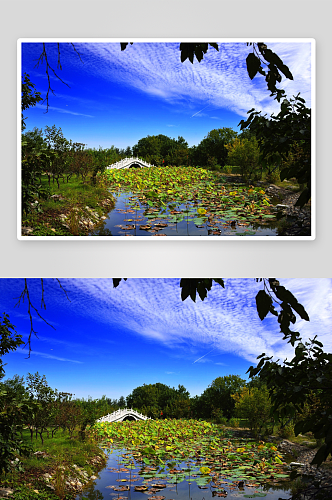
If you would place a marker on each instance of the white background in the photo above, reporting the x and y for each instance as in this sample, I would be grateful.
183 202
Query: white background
156 257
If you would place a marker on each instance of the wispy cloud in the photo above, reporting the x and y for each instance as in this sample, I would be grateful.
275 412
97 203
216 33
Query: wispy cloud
220 79
227 320
46 355
61 110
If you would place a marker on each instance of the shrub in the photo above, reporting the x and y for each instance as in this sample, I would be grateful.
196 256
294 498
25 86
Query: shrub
287 431
218 417
274 175
234 422
228 169
245 154
253 404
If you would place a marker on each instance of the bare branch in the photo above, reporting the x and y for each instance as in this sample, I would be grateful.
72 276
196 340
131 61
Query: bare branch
31 308
41 59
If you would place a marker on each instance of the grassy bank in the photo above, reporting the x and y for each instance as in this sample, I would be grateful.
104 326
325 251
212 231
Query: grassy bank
72 209
57 469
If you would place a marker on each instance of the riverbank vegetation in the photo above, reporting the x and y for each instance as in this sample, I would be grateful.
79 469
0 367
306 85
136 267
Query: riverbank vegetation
53 445
66 188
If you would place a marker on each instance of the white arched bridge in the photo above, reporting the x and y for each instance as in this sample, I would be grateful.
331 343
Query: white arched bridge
121 415
130 163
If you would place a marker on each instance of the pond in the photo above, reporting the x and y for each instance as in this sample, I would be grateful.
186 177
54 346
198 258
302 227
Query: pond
133 217
124 478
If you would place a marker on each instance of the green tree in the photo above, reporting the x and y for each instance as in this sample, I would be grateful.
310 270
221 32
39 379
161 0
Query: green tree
301 390
10 340
245 154
122 402
58 148
34 161
34 141
157 148
15 387
13 408
213 145
218 395
29 96
279 135
254 404
41 393
157 398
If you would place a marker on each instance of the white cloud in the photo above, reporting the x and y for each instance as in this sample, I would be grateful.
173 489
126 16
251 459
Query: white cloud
221 79
226 321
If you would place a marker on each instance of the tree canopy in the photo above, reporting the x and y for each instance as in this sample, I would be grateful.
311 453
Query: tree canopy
286 136
29 98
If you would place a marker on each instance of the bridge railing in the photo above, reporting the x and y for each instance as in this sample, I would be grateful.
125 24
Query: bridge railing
121 413
126 162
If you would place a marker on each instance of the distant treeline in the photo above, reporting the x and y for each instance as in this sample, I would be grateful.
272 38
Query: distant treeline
62 409
156 149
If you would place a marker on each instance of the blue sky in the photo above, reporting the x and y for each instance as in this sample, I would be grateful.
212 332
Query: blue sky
109 341
116 98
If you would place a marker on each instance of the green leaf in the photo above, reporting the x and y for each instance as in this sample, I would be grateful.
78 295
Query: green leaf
253 65
288 297
263 303
321 455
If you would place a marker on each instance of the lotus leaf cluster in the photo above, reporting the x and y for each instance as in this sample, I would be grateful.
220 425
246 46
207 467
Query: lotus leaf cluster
198 452
174 194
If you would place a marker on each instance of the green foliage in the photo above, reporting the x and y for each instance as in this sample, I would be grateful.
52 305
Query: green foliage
203 194
305 379
218 417
161 150
189 287
287 133
274 63
192 50
213 147
219 395
15 387
32 189
156 400
200 444
245 153
228 169
25 493
65 213
39 392
254 404
287 431
234 422
13 408
10 340
29 97
288 304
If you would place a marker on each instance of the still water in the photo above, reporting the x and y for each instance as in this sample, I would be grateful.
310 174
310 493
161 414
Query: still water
118 475
132 218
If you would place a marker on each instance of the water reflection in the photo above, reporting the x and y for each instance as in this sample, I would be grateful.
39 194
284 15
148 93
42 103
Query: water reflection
118 475
131 218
